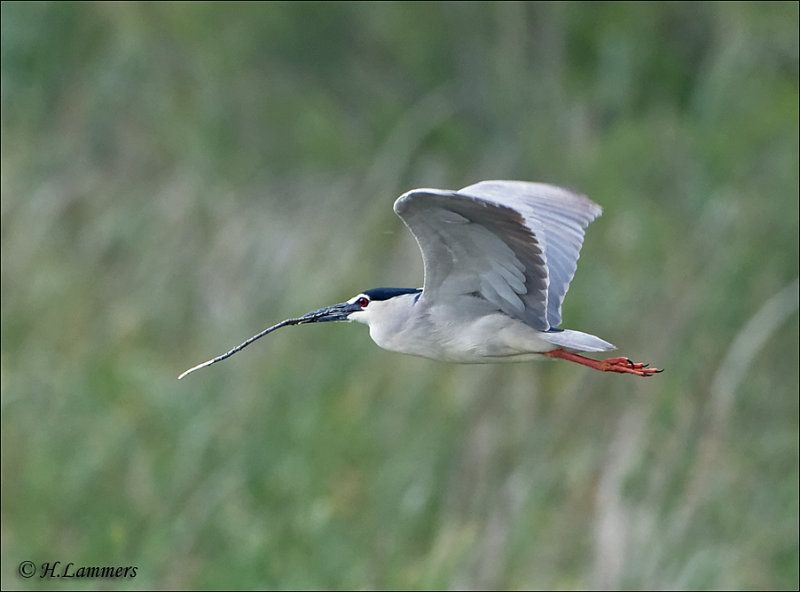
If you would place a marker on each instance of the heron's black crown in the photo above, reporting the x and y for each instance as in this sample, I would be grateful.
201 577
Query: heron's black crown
386 293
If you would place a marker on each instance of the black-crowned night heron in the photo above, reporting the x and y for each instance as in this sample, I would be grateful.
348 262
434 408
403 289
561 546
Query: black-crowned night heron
498 258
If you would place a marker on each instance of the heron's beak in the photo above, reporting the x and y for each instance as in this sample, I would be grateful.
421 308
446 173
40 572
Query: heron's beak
337 312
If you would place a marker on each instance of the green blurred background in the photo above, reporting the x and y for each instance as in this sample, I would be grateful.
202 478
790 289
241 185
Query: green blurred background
176 177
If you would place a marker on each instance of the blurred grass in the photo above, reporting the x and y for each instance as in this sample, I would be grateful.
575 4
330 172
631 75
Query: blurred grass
176 177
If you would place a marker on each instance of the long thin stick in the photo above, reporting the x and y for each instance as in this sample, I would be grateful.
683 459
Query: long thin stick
305 319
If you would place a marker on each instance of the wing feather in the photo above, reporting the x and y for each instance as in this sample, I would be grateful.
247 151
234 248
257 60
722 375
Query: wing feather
516 244
558 217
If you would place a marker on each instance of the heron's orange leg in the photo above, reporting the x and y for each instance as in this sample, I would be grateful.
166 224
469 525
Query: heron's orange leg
621 365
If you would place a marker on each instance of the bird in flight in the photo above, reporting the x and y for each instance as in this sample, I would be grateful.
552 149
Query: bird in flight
498 258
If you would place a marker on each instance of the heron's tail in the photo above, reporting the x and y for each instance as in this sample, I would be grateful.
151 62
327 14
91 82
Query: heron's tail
576 340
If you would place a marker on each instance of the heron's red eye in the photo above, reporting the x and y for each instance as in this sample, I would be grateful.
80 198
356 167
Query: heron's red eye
362 302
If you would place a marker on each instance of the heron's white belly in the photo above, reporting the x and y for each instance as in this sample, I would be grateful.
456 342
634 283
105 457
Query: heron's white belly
491 338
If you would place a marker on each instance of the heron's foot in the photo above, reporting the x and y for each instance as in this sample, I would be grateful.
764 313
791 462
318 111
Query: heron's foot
621 365
627 366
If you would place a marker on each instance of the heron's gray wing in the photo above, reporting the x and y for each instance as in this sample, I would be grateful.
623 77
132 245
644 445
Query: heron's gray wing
472 245
557 217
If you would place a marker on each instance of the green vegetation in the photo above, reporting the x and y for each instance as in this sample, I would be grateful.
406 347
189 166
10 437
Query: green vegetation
176 177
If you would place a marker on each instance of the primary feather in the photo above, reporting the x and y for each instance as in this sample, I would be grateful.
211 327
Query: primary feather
513 243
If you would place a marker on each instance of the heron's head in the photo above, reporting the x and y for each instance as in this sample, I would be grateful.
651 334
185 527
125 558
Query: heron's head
368 307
